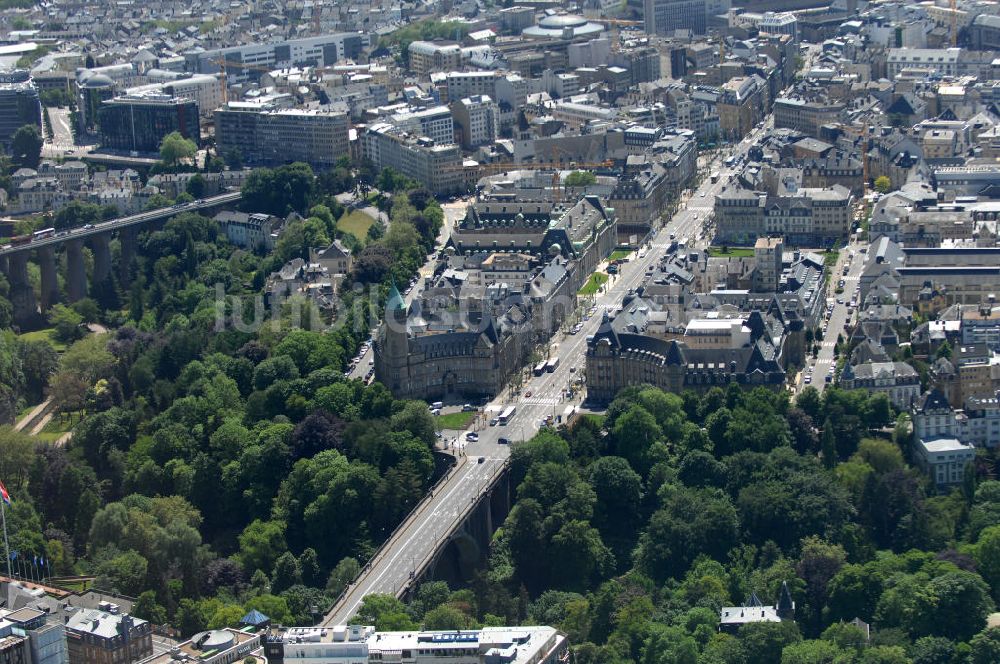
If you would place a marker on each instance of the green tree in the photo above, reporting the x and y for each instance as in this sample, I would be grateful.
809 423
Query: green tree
447 616
195 186
954 605
812 652
26 146
66 322
147 608
39 360
286 574
261 544
174 149
933 650
883 184
580 179
309 565
342 575
281 190
385 612
985 647
124 573
669 645
764 642
583 557
88 310
634 433
619 496
17 456
691 522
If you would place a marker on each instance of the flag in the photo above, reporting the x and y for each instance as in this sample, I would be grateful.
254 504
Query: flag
3 494
13 555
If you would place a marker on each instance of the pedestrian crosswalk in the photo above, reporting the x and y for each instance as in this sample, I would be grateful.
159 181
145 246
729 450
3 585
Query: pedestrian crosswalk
541 401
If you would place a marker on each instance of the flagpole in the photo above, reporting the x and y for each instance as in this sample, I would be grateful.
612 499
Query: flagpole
6 543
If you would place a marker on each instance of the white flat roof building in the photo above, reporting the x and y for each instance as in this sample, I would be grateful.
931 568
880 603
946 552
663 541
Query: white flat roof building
945 459
357 644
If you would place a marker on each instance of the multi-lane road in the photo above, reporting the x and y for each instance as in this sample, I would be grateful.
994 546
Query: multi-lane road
482 460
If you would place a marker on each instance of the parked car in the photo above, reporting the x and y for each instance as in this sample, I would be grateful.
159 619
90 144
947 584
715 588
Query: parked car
472 436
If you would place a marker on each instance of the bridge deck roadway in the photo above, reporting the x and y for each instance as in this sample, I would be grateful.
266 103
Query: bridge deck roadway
123 222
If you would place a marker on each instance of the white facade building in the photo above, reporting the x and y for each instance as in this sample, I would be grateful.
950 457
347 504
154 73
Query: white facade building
478 120
249 231
435 123
363 645
945 459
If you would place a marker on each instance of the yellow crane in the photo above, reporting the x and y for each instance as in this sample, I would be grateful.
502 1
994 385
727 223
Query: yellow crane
223 77
954 23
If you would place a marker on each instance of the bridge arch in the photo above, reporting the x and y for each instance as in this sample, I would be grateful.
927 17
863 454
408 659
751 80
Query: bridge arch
458 560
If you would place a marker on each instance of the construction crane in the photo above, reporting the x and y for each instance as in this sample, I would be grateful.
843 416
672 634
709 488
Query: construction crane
614 24
224 79
866 145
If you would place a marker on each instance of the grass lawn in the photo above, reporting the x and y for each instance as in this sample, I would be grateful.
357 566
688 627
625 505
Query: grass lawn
78 586
455 420
52 431
730 252
356 223
24 411
830 258
596 280
618 254
47 334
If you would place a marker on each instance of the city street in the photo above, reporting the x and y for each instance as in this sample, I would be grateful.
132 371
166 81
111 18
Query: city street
819 368
62 144
428 526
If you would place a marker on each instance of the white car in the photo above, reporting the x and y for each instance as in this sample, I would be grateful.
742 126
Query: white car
472 436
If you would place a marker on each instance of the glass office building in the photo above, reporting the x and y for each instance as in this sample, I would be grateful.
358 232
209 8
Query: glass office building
139 123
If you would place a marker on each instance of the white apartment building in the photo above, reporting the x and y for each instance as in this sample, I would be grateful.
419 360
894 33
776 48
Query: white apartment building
945 440
272 136
469 83
581 113
478 120
319 51
944 61
250 231
427 57
437 167
435 123
944 459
